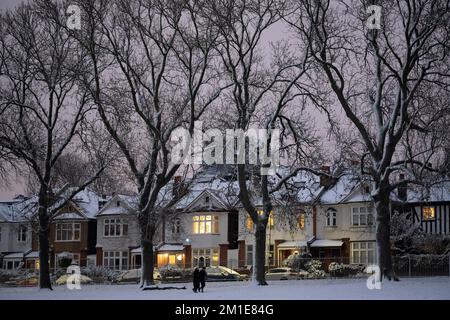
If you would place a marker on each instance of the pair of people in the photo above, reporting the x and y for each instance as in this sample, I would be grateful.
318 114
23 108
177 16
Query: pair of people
199 279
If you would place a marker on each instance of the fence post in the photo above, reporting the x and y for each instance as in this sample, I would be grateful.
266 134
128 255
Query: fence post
409 265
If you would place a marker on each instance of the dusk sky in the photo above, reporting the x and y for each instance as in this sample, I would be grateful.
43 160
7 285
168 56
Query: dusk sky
276 33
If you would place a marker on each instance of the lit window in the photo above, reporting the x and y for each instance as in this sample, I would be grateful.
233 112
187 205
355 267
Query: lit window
362 216
331 218
205 224
115 228
429 213
249 223
301 220
68 232
205 257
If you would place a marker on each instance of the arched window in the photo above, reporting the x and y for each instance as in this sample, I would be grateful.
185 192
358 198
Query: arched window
331 217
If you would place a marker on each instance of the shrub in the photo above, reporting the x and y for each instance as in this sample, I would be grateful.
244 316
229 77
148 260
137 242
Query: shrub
297 261
100 274
344 270
314 269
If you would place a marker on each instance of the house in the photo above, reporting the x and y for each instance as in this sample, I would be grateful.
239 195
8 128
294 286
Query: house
72 233
345 214
428 207
118 235
201 229
15 234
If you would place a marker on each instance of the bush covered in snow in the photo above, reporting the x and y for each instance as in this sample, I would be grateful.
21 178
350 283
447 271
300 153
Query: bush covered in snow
344 270
100 274
297 261
315 269
168 274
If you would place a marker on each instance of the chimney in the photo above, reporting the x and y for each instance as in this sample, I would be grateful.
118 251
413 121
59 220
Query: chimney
325 181
402 189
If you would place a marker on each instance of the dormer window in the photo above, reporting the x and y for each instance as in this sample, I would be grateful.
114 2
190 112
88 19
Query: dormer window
118 203
207 199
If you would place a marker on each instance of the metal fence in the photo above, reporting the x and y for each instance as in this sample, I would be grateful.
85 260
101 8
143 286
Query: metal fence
422 265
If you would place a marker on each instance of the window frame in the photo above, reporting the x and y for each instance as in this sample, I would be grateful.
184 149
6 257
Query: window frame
367 214
116 255
366 247
72 230
112 225
432 210
201 224
22 234
211 257
332 219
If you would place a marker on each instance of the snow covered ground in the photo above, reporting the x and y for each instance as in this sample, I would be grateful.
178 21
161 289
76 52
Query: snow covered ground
437 288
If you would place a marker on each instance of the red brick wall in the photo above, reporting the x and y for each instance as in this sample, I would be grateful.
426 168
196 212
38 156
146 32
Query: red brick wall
99 256
223 254
187 256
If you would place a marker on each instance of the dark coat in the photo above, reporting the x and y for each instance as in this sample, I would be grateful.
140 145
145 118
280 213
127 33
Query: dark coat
202 277
196 278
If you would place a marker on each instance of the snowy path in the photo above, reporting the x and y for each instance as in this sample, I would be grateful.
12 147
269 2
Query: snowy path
437 288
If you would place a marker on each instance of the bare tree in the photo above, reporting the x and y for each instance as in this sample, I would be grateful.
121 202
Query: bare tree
42 107
152 72
268 92
377 77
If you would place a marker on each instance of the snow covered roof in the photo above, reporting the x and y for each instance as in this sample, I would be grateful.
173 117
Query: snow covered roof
323 243
293 244
17 255
348 188
118 205
171 247
439 192
32 255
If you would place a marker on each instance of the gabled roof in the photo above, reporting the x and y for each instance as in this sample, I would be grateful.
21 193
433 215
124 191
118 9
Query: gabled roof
347 189
438 192
127 205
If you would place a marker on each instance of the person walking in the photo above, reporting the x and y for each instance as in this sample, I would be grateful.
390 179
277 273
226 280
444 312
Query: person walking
196 280
202 278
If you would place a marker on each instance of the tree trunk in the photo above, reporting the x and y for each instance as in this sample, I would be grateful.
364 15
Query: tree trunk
147 262
383 233
260 254
44 264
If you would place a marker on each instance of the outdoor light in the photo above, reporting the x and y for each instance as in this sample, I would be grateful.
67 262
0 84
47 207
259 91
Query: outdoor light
179 257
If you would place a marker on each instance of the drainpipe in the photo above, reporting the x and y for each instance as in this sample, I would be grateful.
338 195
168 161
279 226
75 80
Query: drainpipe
314 216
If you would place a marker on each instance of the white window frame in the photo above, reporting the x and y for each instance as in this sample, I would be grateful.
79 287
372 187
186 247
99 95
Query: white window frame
74 226
116 227
110 259
203 222
208 254
331 221
176 227
364 212
368 248
249 254
22 234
